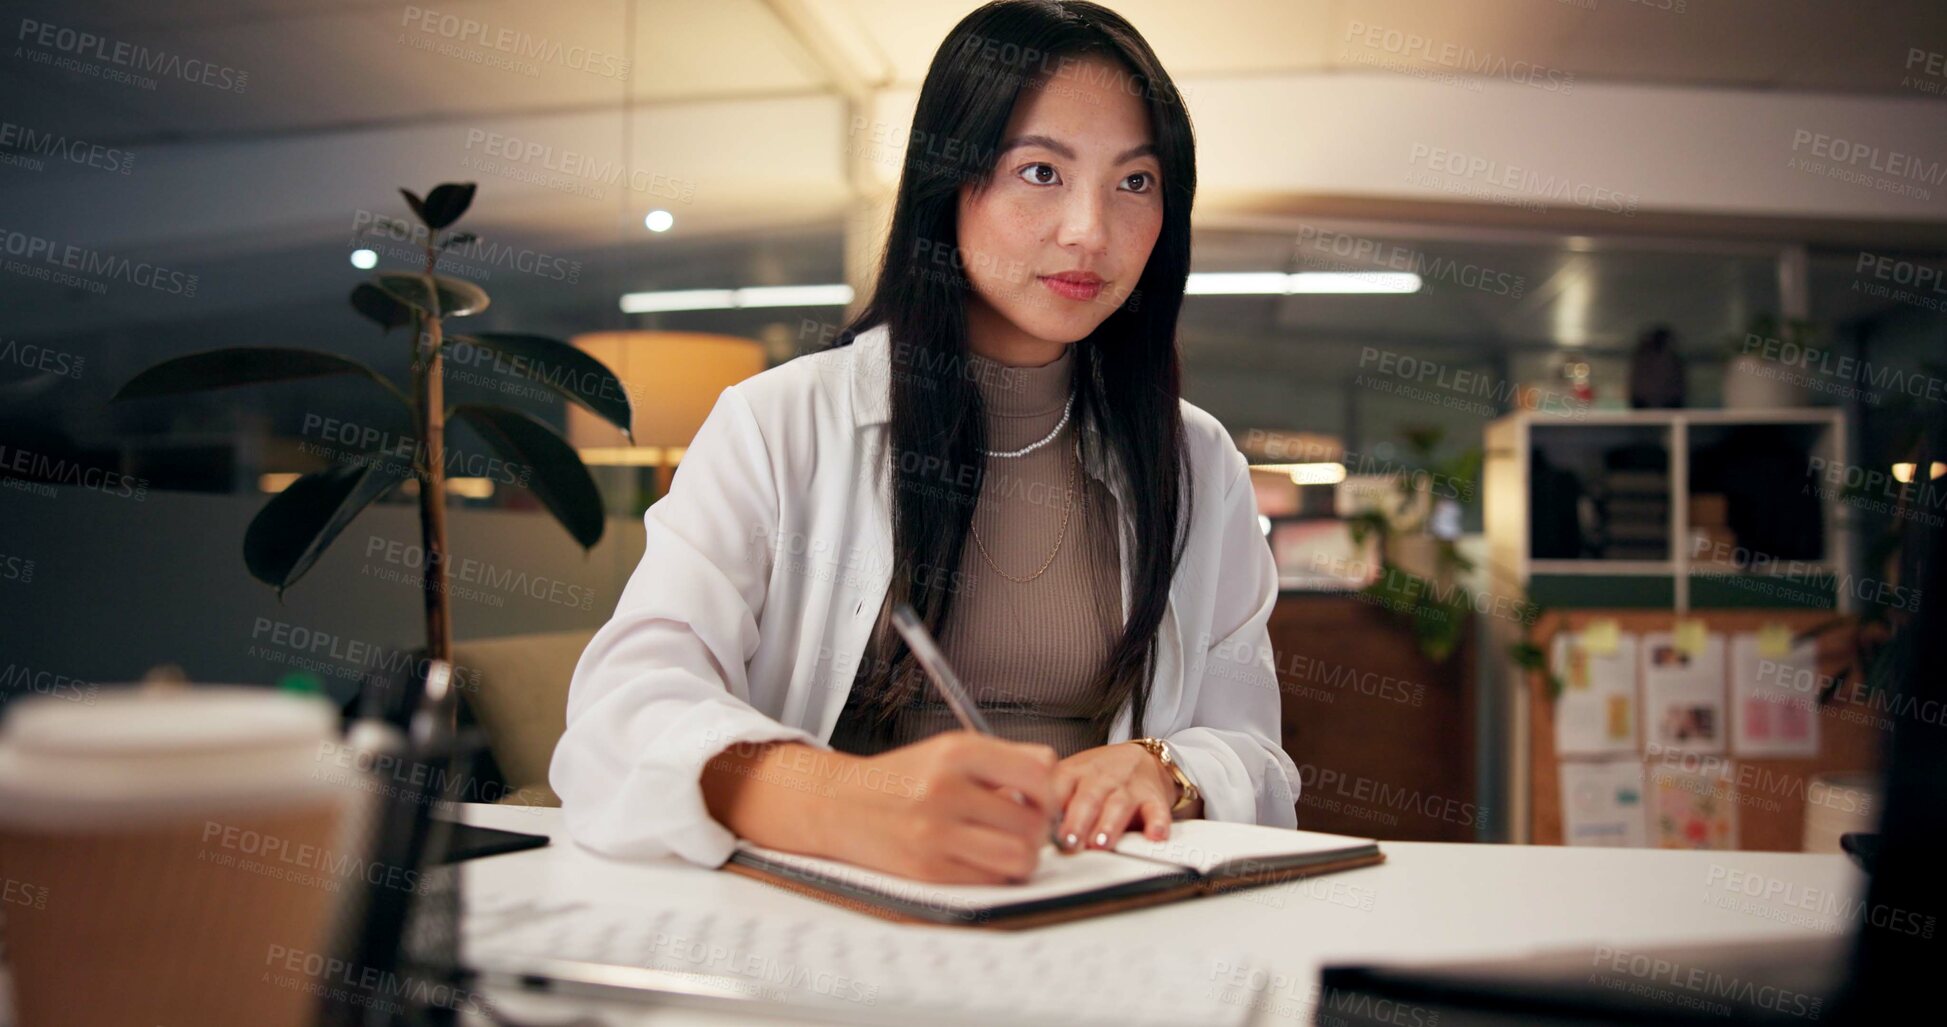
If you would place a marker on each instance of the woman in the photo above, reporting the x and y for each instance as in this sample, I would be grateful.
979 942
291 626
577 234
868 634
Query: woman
1013 383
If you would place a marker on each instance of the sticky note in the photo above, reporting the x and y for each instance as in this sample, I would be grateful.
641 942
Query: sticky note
1774 641
1690 637
1600 637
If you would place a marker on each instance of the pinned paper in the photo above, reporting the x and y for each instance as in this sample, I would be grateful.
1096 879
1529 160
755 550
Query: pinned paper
1683 694
1600 637
1596 715
1690 636
1775 710
1693 809
1774 641
1602 802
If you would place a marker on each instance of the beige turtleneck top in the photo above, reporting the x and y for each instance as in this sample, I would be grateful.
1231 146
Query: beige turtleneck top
1027 651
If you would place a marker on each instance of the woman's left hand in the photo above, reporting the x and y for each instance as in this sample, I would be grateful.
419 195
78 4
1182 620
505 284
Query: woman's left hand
1103 790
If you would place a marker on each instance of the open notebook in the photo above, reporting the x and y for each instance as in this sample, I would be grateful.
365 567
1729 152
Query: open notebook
1199 858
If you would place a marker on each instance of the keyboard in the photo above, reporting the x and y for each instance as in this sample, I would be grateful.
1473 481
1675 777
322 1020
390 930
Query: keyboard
871 968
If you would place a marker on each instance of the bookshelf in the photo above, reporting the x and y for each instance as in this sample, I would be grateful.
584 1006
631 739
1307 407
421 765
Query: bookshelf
1659 513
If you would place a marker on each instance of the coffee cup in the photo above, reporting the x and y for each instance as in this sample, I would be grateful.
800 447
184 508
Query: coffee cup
169 856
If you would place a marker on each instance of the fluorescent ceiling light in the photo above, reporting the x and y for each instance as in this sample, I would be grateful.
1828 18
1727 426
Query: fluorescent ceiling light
683 299
1236 283
727 299
1314 283
795 296
1323 282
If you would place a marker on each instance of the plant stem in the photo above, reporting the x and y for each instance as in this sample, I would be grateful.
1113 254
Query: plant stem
432 477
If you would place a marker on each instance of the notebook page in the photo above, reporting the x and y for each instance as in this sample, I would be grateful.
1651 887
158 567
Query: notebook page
1057 874
1208 844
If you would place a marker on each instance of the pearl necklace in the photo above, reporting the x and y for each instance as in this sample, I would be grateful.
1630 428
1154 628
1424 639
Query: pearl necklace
1066 410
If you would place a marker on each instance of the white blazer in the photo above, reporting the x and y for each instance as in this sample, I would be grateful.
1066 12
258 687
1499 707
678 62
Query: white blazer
764 569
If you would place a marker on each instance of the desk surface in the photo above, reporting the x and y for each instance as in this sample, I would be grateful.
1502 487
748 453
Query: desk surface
1429 900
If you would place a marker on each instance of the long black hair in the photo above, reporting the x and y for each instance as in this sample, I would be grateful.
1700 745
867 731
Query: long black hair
1126 374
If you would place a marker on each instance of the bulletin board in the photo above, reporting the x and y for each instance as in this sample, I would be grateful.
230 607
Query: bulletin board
1849 734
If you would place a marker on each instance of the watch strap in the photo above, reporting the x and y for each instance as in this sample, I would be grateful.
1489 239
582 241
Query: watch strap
1166 755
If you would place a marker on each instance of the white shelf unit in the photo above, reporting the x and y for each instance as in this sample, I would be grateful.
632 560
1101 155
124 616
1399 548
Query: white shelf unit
1506 475
1506 478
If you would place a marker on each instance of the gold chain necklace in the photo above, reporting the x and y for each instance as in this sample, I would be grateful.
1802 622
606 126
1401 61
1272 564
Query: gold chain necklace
1068 511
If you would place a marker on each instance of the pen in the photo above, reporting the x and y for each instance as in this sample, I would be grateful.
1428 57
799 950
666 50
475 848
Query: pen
933 662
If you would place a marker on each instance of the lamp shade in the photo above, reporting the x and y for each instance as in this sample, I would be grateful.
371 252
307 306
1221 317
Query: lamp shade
673 380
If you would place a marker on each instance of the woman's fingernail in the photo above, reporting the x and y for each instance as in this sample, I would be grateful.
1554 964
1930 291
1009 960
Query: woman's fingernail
1070 840
1101 839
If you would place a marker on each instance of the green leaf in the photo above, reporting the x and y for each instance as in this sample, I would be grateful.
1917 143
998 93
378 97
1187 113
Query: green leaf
446 203
292 530
564 368
456 298
554 472
244 365
380 307
418 205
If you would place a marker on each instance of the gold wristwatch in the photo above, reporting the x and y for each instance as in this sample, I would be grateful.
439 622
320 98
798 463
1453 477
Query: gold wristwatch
1160 749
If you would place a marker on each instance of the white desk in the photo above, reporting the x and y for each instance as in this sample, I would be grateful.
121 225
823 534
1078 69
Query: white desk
1431 900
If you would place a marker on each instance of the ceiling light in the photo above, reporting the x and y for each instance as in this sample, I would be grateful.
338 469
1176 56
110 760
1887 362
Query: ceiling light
727 299
1318 282
1312 283
658 220
681 299
1235 283
795 296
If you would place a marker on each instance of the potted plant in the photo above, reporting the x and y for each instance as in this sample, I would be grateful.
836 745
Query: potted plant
295 527
1418 565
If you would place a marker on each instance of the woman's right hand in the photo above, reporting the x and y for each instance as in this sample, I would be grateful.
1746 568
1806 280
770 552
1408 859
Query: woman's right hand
942 810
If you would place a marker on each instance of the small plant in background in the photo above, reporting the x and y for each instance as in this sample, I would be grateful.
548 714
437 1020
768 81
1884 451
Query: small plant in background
1423 588
1418 564
296 526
